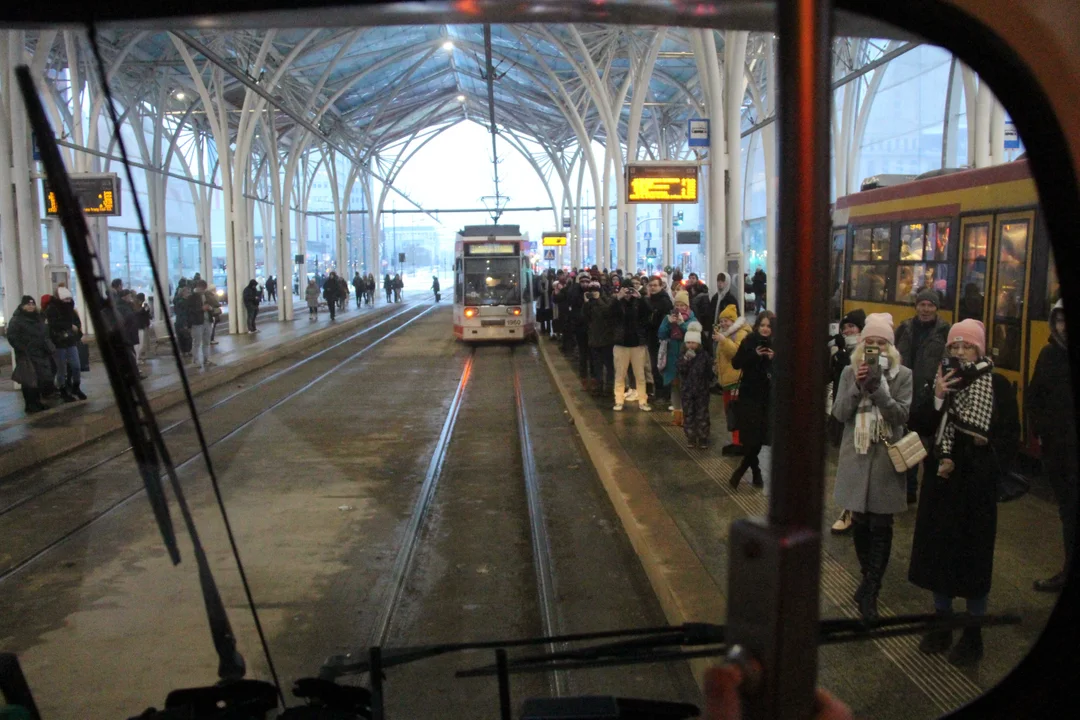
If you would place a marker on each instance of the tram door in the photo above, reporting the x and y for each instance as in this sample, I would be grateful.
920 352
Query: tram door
1007 325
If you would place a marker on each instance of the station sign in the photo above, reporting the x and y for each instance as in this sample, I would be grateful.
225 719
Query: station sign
688 237
98 194
554 239
697 132
1012 138
662 183
566 222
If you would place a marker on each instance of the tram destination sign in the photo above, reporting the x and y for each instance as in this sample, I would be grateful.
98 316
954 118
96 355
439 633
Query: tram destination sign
97 193
662 183
554 239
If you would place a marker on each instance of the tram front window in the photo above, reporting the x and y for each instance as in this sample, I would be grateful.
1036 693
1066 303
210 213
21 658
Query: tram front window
492 281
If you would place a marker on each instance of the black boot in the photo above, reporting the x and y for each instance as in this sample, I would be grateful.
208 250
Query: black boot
1052 585
860 534
32 397
970 648
65 394
756 480
879 551
77 392
736 477
937 641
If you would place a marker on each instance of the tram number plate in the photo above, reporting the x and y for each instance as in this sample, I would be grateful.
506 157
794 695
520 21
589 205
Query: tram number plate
492 323
513 322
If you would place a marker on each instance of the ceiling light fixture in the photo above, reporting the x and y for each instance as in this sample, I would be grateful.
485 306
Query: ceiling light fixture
180 95
461 98
448 45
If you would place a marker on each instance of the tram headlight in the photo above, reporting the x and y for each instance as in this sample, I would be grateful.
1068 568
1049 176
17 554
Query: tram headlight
513 311
470 312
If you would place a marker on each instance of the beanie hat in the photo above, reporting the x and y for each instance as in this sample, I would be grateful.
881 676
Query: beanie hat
929 295
63 293
730 312
878 325
969 331
682 297
693 333
27 299
856 317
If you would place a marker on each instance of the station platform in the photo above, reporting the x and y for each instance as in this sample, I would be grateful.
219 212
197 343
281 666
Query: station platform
676 505
29 440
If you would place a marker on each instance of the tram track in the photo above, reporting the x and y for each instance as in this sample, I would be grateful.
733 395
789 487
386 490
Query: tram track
129 494
86 470
418 528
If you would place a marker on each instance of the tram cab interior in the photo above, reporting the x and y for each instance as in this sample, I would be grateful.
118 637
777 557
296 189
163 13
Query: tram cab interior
493 291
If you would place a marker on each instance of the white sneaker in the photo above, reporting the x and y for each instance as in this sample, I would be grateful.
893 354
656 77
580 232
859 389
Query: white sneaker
671 408
631 396
646 408
617 408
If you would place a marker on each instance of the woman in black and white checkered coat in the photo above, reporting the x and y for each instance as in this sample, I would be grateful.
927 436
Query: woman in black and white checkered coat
952 553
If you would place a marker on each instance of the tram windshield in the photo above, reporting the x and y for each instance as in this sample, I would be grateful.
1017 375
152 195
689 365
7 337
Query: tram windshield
492 281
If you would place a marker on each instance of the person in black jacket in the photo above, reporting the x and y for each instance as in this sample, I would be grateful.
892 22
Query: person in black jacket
695 375
399 285
65 330
1048 403
271 289
754 358
580 326
331 289
251 305
29 340
388 286
359 287
952 550
721 299
699 303
631 317
660 306
130 320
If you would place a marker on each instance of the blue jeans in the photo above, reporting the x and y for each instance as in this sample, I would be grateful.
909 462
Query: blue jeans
67 358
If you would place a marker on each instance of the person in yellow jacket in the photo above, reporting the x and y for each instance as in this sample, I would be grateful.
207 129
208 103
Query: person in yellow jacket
729 332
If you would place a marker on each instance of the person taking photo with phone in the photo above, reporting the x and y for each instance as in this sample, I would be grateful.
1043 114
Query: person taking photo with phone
753 410
872 400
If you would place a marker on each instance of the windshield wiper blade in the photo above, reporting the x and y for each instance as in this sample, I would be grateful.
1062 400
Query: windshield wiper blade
148 445
659 648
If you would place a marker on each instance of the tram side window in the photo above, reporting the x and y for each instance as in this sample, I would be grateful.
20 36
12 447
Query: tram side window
1010 288
1053 285
920 245
459 282
973 268
869 277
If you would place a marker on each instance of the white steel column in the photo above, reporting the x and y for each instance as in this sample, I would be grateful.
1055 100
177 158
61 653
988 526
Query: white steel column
29 228
717 210
768 140
984 105
8 224
735 90
997 133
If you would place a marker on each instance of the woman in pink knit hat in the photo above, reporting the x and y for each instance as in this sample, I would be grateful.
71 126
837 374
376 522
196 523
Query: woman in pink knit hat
872 400
952 553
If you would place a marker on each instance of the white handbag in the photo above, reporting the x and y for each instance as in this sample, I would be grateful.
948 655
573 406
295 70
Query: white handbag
907 452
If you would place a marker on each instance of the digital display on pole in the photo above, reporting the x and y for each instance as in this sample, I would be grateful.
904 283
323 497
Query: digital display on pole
98 194
661 183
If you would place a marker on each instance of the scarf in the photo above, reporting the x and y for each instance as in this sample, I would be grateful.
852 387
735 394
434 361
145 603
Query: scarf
870 427
970 408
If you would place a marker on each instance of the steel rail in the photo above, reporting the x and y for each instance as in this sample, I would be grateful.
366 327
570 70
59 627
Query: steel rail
27 561
541 544
399 572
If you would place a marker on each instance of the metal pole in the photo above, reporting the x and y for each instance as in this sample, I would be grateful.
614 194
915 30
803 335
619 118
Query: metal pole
774 568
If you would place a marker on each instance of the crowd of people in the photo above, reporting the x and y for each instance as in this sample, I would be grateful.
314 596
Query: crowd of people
668 340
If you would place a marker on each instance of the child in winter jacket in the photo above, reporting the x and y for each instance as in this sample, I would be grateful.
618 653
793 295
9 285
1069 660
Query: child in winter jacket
695 374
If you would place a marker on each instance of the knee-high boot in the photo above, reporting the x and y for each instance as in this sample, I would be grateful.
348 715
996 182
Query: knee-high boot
32 398
880 549
860 533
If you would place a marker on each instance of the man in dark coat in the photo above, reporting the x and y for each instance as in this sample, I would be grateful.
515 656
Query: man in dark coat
921 343
599 314
399 285
271 288
388 286
579 326
250 297
65 330
759 284
1048 404
331 290
29 340
721 299
699 303
660 306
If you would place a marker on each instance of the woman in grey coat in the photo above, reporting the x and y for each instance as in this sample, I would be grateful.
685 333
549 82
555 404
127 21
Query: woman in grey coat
872 401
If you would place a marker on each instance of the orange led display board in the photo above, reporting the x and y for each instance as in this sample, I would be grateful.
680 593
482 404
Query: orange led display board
98 194
661 183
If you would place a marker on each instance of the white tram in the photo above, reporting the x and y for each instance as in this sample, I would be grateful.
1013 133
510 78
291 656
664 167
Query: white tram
493 284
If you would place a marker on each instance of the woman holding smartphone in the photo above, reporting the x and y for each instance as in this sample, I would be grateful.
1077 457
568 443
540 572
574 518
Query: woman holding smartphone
754 358
872 400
